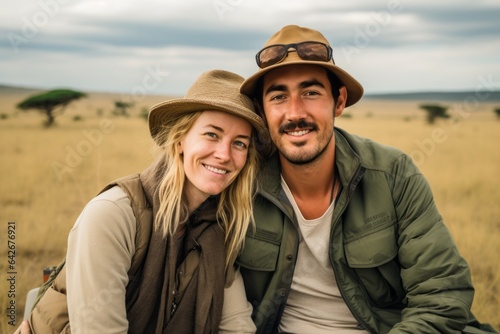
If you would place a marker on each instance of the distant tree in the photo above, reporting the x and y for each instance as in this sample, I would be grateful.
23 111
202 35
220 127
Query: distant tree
52 103
144 113
434 112
121 108
497 112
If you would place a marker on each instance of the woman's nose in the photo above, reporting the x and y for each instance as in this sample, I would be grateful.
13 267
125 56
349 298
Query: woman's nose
223 151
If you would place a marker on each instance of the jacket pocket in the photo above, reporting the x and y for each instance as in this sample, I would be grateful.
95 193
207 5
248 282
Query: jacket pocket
372 249
50 315
260 252
373 257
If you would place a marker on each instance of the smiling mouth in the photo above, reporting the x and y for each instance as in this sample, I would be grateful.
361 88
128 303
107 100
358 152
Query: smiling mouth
216 170
298 133
297 129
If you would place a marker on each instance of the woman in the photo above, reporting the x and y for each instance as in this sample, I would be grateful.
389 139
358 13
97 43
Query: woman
198 195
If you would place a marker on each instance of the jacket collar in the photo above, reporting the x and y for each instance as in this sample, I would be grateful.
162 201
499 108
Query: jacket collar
348 162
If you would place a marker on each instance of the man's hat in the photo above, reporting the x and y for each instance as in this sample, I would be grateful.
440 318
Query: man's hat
213 90
295 34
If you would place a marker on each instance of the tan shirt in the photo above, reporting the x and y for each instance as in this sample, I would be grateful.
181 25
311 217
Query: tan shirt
100 248
315 304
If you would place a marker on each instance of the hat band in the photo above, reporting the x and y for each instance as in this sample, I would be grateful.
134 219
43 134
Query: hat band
309 50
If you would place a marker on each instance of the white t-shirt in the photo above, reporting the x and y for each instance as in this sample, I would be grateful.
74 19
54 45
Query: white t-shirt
315 304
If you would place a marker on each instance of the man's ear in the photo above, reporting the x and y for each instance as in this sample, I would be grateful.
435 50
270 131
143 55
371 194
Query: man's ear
341 101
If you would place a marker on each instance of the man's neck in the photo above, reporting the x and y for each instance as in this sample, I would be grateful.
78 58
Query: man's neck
312 185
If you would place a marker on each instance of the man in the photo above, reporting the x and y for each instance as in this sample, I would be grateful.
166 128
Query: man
348 238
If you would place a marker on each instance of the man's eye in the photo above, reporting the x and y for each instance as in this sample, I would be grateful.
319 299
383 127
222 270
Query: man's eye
277 97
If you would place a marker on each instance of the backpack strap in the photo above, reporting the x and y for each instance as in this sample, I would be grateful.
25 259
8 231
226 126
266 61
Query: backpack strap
48 283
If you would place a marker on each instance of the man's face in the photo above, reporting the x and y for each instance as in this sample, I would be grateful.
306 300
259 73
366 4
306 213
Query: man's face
299 110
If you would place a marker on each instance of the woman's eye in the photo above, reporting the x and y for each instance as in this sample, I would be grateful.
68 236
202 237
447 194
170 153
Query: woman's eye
211 134
240 144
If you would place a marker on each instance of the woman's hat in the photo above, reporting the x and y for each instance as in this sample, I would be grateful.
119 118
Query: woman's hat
213 90
293 34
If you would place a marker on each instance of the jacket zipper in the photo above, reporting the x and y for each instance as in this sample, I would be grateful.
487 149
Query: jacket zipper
174 304
351 187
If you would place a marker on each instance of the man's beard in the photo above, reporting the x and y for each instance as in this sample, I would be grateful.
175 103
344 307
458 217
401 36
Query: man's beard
302 159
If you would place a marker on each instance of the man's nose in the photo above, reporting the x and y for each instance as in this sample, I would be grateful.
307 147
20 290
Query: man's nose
296 109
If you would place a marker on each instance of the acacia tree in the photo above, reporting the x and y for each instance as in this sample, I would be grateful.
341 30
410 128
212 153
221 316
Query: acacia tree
121 108
435 111
52 103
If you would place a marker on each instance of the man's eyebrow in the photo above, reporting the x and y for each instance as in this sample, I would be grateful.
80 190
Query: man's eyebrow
312 82
303 84
275 88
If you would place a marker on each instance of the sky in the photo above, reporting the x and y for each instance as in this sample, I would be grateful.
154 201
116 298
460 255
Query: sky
160 47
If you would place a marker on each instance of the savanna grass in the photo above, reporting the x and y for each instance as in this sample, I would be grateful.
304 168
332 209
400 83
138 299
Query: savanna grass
44 186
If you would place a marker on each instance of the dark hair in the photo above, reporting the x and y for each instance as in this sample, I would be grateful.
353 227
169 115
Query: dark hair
335 83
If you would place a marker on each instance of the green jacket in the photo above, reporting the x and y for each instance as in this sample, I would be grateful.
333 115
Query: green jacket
394 260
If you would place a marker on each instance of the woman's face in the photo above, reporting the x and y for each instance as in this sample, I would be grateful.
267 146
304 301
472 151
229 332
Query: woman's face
214 151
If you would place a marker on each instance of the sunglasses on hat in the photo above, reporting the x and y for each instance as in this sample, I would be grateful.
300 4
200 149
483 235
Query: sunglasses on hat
310 50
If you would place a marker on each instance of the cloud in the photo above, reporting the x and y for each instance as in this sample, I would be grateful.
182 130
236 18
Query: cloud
109 45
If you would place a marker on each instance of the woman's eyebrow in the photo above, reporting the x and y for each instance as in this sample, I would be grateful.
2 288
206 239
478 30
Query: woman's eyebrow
218 128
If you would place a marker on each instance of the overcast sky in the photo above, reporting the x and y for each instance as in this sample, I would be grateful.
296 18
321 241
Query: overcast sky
160 47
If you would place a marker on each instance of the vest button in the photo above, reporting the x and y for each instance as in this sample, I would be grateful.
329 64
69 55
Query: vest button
289 257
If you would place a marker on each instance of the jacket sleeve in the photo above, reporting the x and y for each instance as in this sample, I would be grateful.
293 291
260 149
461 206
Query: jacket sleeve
436 278
100 248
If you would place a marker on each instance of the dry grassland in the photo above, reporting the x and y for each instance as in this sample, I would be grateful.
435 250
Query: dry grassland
48 175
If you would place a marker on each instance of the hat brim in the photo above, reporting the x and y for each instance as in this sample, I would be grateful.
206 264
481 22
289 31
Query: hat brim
354 89
166 113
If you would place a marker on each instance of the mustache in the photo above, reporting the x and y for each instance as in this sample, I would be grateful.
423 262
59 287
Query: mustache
302 124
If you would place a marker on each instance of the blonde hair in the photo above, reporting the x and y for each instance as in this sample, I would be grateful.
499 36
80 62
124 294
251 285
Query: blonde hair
234 211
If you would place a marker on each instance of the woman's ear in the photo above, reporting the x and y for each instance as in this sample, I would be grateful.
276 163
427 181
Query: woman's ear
180 149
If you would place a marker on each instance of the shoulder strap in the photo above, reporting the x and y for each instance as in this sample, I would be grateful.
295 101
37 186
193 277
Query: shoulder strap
48 283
